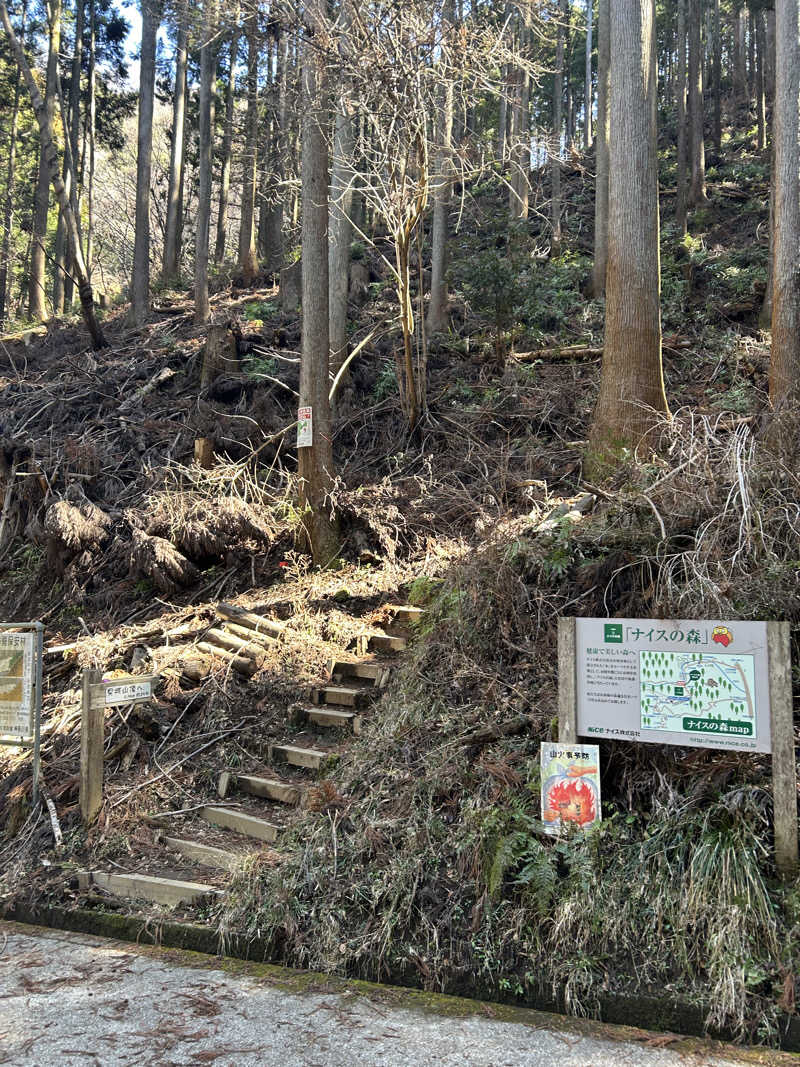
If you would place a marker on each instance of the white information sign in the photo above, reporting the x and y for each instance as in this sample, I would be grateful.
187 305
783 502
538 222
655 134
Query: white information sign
127 692
675 682
305 432
16 684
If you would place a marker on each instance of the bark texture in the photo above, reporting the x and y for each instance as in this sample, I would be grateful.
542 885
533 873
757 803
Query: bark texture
206 125
140 281
696 140
632 383
248 256
601 180
171 260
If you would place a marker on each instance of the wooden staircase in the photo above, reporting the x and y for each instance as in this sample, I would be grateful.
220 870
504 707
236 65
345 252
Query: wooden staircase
251 810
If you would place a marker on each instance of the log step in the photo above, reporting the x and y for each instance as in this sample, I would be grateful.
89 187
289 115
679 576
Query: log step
343 695
405 615
250 648
312 758
208 855
230 819
332 718
250 636
167 891
270 788
241 664
377 673
384 642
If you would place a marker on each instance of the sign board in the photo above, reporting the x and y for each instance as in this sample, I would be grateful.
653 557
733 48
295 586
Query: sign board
305 432
674 682
17 684
570 786
131 689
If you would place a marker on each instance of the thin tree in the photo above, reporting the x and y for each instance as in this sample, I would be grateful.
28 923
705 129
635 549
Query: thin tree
171 258
41 202
8 207
206 127
315 462
696 141
40 110
437 307
717 76
248 255
227 143
140 280
681 133
601 178
587 87
784 369
632 381
555 143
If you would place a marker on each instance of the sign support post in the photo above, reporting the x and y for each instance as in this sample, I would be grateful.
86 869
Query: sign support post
567 682
37 710
91 776
784 766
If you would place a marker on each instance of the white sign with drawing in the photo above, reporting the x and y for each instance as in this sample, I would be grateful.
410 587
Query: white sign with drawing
305 433
676 682
16 684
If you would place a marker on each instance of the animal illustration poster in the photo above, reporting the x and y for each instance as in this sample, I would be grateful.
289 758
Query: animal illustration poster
570 786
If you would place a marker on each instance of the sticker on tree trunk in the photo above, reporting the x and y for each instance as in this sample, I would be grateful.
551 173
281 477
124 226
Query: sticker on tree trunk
570 786
305 435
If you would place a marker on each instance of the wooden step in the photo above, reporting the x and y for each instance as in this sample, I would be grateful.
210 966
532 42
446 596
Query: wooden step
230 819
343 695
377 673
312 758
208 855
320 715
405 615
383 642
271 788
147 887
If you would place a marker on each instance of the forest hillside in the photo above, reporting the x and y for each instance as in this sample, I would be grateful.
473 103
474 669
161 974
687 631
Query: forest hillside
353 350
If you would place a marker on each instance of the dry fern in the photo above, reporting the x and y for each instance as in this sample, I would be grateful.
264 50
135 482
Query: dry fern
158 560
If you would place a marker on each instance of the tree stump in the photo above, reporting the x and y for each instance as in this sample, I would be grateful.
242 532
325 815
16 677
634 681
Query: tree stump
204 452
220 354
291 282
359 281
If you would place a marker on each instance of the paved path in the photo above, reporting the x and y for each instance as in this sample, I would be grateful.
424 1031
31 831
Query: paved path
78 999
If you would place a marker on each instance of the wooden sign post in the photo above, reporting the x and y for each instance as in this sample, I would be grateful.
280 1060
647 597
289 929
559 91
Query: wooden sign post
97 696
699 683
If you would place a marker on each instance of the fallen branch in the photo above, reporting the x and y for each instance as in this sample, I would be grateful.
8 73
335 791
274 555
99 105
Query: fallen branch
494 733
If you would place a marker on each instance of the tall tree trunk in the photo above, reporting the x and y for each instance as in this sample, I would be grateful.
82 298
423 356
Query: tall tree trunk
140 280
555 149
570 104
740 59
681 132
227 141
770 67
248 256
587 88
784 369
51 156
170 267
601 179
92 127
62 280
315 462
341 227
204 162
751 55
697 193
632 381
8 206
41 203
437 308
523 170
717 68
761 81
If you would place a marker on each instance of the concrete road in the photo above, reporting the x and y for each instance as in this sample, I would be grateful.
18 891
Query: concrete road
79 999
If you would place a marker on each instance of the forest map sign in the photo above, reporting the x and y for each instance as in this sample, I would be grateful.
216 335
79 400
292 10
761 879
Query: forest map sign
676 682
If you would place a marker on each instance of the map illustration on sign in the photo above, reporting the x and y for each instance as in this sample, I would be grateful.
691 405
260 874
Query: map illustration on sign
698 692
16 683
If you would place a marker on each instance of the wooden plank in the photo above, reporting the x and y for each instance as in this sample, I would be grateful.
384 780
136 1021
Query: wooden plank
373 672
567 685
331 718
784 761
204 854
385 643
147 887
343 695
229 819
311 758
91 767
270 788
250 620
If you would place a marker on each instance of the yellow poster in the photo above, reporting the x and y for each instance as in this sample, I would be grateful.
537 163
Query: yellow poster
16 684
570 786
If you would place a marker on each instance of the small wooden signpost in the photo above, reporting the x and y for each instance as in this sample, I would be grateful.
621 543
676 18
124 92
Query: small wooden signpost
699 683
99 694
